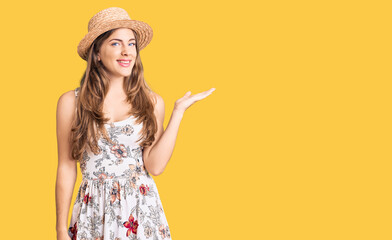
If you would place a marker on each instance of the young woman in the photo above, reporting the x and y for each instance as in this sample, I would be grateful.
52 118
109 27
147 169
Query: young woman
112 124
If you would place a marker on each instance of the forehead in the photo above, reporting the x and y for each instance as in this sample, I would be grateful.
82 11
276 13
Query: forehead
125 33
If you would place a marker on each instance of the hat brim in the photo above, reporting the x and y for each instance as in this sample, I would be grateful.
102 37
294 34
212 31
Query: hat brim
143 30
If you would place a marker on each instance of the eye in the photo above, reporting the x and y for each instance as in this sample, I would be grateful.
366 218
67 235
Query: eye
132 43
114 43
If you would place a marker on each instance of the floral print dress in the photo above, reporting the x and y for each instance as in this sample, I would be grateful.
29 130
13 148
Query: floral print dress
117 199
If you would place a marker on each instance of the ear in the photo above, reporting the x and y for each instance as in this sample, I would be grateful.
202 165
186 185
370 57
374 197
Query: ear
99 58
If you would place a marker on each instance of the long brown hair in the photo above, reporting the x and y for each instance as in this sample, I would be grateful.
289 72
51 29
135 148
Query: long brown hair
88 125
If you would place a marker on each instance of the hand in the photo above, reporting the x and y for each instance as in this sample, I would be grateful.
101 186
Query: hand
187 100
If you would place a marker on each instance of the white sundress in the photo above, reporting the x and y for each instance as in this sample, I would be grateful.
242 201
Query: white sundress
117 199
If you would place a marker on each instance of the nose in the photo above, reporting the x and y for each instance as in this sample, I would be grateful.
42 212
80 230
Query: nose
126 51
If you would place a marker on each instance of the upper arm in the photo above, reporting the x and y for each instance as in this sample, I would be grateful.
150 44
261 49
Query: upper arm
159 113
64 116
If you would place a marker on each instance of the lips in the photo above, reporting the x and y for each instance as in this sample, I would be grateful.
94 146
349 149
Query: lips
124 62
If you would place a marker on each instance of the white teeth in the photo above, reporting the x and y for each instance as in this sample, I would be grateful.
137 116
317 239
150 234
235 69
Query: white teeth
125 61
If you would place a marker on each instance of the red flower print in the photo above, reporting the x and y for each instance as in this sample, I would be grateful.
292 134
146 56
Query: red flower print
86 198
74 230
143 189
115 193
119 150
131 224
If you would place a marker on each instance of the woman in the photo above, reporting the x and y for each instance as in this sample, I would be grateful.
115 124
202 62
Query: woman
113 125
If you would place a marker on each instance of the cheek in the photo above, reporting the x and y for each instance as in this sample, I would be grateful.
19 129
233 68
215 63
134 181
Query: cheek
110 59
111 54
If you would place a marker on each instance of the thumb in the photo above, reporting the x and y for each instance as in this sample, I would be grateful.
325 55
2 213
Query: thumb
188 93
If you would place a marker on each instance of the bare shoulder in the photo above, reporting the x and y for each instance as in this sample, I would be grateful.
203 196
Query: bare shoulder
156 97
68 96
159 103
66 101
66 105
65 115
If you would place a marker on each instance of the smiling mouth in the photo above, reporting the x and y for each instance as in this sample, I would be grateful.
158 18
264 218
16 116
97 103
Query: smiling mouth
124 63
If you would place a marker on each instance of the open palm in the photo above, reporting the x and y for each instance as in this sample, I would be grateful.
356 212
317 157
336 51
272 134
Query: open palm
187 100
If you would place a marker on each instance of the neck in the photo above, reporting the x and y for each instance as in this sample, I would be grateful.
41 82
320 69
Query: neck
116 86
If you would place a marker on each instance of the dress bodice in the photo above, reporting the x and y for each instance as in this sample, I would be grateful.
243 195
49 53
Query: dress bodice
116 160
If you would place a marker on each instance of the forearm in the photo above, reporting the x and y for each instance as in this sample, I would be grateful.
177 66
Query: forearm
162 151
64 188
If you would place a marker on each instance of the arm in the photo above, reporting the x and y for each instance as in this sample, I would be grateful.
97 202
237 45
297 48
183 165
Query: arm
67 167
159 153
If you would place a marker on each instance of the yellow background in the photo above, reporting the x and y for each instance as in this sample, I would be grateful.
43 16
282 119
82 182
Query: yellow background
295 142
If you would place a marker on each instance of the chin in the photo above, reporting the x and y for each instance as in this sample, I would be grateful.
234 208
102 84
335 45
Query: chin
125 73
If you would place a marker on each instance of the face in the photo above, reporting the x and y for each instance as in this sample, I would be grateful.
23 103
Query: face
118 53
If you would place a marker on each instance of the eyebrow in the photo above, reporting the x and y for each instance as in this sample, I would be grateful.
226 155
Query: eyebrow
120 39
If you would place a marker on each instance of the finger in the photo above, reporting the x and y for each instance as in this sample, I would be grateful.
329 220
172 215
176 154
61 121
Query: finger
209 91
200 96
205 93
187 94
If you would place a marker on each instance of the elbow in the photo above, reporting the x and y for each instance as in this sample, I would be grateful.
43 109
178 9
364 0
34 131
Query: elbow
152 170
155 172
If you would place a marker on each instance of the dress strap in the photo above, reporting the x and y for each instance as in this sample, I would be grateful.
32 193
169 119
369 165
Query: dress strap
77 91
76 95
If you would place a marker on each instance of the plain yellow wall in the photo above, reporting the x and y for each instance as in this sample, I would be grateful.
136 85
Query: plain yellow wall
294 143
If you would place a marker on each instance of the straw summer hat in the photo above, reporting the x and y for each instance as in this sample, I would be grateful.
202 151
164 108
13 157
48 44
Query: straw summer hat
112 18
